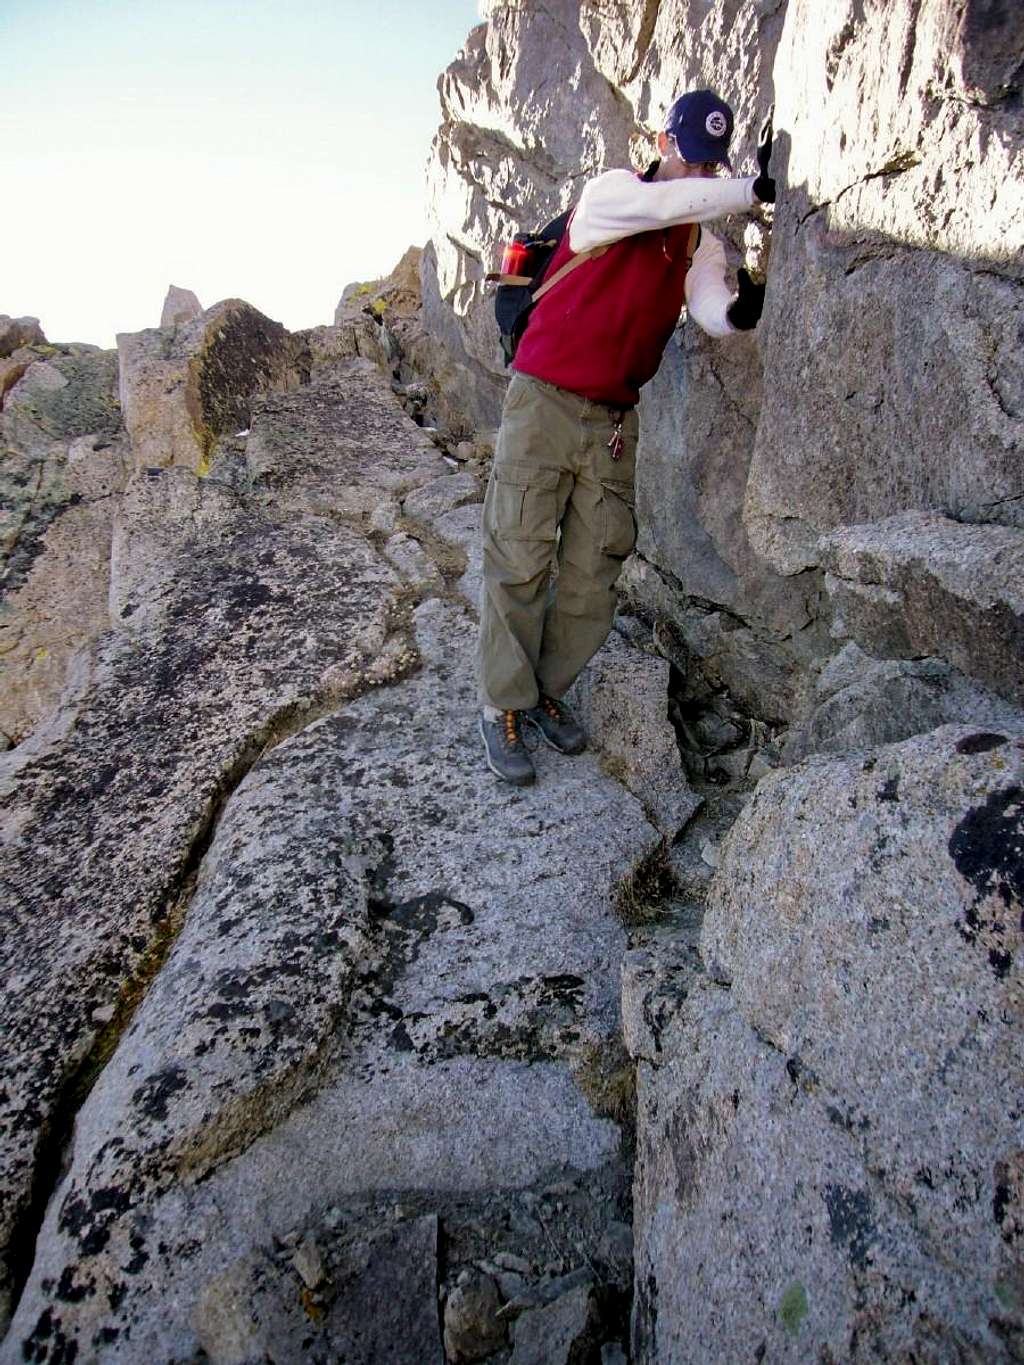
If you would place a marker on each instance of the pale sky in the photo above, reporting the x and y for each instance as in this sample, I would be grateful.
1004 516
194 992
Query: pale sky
252 149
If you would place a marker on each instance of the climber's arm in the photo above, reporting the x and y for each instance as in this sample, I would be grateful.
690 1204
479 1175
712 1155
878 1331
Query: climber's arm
618 204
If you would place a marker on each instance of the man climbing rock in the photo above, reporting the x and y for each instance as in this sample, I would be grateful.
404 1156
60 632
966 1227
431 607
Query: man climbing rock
566 450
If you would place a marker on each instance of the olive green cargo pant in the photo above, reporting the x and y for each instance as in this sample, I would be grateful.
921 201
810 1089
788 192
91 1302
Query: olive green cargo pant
558 523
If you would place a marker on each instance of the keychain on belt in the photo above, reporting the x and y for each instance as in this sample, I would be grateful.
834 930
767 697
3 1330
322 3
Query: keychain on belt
616 443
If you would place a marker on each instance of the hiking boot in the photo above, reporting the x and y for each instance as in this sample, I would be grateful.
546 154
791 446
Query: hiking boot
557 726
506 748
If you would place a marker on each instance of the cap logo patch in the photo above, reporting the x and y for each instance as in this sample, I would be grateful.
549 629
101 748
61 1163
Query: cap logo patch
715 123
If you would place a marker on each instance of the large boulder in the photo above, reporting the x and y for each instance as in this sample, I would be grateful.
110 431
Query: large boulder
180 306
230 618
918 584
830 1161
18 332
181 389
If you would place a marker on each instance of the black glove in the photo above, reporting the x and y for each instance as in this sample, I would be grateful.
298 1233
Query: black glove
745 310
764 185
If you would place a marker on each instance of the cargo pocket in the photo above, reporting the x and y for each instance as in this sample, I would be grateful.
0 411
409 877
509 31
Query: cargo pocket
524 502
617 503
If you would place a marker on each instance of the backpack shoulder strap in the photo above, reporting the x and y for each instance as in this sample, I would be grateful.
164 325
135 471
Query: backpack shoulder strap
564 270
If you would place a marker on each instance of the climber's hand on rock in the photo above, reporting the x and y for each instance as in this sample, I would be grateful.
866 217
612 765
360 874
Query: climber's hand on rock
745 310
764 185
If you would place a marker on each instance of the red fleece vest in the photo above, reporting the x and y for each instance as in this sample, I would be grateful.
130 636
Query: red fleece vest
601 331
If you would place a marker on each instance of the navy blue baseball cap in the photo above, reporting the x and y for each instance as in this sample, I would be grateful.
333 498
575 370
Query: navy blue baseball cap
701 124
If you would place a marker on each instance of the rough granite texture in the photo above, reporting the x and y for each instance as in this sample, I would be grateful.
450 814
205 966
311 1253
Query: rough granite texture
65 460
893 377
866 916
233 621
621 700
181 388
860 702
381 925
918 583
180 306
369 942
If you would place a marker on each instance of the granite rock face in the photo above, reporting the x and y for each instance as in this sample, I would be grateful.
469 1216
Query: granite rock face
16 333
305 939
834 1141
860 702
223 636
180 306
918 583
618 699
65 460
183 388
897 296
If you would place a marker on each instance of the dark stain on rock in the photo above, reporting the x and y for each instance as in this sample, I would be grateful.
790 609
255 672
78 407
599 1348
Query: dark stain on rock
1000 961
981 743
1007 1201
851 1223
152 1096
987 848
846 1121
987 845
48 1342
419 911
279 1011
69 1291
685 1157
889 791
645 1323
1000 1203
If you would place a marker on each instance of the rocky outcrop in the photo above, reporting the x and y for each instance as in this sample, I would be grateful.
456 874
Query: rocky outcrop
919 583
67 456
897 294
339 1013
183 386
17 333
64 463
834 1142
180 306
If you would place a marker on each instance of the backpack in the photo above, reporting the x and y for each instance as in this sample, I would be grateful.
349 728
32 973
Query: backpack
521 280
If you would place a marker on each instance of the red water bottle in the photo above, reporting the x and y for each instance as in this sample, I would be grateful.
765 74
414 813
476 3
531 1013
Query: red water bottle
514 259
